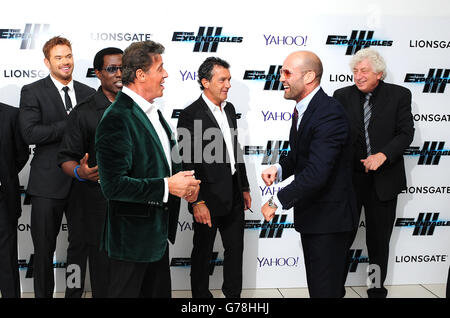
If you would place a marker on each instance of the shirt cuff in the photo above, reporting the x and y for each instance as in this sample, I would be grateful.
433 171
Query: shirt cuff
279 173
166 190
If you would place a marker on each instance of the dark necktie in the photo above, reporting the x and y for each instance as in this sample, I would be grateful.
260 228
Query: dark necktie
67 99
295 118
367 114
293 132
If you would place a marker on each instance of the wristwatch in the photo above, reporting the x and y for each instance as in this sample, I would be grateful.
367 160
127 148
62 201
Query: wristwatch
271 203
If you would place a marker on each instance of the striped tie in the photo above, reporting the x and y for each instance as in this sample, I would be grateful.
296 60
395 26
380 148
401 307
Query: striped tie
367 114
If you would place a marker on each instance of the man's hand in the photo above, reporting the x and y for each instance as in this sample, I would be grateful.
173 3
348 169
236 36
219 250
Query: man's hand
201 214
183 184
247 200
268 212
194 195
373 162
269 175
85 172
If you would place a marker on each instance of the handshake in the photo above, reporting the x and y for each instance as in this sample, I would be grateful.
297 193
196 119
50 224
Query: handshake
184 185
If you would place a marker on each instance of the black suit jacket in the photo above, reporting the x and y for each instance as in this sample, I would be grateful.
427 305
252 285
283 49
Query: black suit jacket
217 183
13 157
42 120
391 131
320 160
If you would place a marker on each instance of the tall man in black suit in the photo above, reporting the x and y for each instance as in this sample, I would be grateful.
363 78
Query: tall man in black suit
321 193
44 108
77 158
382 127
224 193
13 156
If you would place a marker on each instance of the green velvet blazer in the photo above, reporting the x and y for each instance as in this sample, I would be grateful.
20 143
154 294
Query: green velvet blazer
132 167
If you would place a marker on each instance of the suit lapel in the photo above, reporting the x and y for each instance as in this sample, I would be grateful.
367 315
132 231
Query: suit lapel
139 114
55 97
309 111
173 144
210 115
208 112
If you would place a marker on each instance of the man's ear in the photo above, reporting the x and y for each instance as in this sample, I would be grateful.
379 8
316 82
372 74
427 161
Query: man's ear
309 77
140 75
205 83
98 73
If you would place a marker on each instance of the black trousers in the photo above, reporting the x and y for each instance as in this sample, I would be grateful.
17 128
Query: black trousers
140 280
380 219
46 218
86 227
231 228
9 270
325 263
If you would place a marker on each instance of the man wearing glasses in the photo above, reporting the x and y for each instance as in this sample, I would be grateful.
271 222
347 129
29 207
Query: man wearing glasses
77 158
321 193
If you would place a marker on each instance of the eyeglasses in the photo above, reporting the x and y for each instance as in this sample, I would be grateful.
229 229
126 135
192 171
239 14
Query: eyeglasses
112 69
287 74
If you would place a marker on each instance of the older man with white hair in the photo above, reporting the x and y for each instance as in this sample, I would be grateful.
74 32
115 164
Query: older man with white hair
382 127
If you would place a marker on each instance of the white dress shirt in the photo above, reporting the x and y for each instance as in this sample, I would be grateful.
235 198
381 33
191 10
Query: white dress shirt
151 110
301 106
222 120
71 91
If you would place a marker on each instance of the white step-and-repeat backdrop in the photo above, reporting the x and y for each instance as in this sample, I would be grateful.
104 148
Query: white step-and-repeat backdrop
255 37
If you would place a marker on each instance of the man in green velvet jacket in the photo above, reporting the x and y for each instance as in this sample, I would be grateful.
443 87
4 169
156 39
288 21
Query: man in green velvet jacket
139 176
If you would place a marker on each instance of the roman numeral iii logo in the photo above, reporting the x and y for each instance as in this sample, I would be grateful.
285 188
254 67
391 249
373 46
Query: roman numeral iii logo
272 78
430 154
274 229
30 38
203 46
357 37
274 151
424 225
357 41
435 81
207 38
440 78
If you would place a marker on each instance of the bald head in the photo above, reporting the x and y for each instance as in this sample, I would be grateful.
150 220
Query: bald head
307 61
301 74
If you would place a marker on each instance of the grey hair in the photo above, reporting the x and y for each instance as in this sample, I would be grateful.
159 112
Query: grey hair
377 61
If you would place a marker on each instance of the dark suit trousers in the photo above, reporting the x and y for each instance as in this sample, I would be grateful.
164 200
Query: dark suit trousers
46 218
140 280
9 270
231 228
325 263
86 226
380 218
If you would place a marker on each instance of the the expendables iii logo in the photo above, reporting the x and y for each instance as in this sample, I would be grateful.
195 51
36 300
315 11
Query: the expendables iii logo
435 81
29 36
358 40
207 38
271 78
